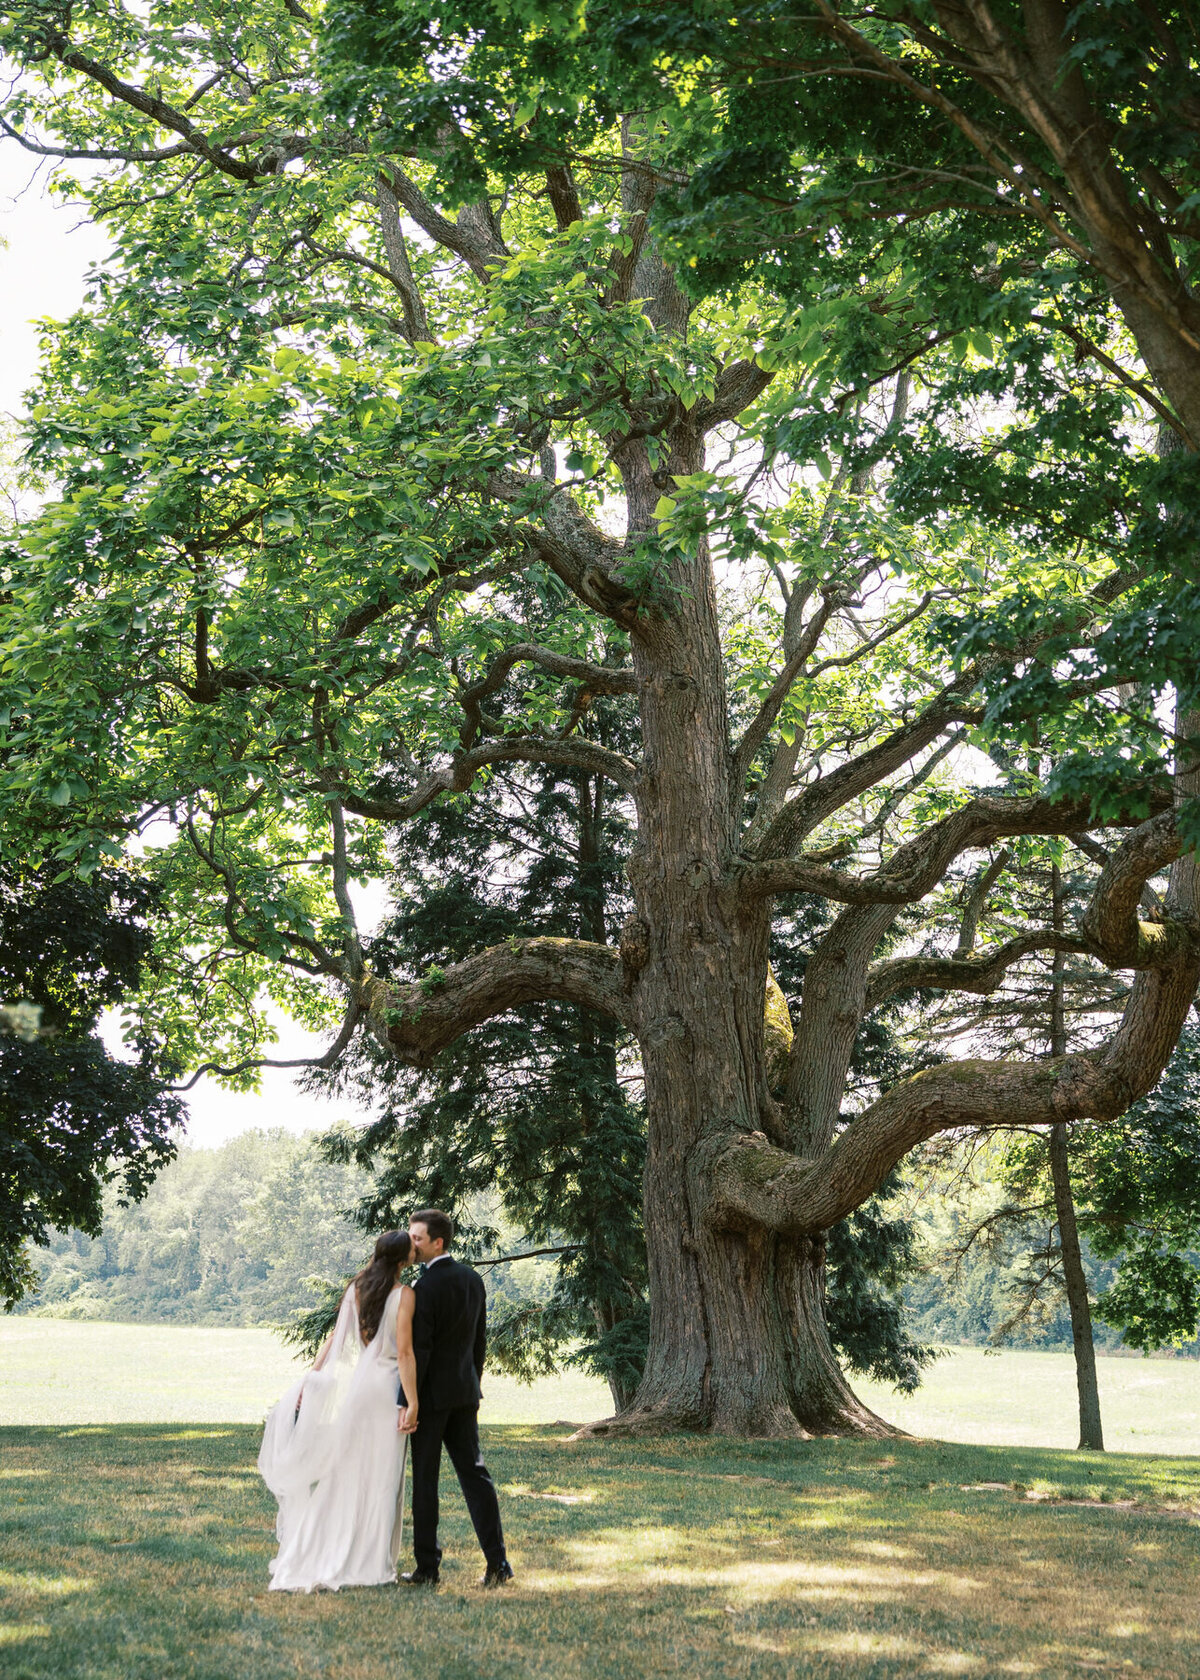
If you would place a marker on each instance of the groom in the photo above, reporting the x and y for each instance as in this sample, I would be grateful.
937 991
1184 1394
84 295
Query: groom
449 1337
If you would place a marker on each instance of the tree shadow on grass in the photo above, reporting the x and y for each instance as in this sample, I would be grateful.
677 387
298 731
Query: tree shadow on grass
139 1553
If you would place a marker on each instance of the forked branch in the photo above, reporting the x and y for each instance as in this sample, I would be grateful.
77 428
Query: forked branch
758 1185
914 869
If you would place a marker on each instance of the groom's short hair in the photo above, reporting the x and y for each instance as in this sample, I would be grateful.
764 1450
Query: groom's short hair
437 1223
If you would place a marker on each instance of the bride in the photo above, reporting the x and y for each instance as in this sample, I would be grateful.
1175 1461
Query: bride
335 1446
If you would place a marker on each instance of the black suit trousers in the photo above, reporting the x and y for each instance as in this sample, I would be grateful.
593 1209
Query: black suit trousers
458 1431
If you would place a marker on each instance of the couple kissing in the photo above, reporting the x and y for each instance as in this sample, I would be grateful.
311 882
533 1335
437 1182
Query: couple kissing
398 1376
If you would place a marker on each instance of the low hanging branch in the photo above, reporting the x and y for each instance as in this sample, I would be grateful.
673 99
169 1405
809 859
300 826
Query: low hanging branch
327 1059
761 1185
529 1254
417 1020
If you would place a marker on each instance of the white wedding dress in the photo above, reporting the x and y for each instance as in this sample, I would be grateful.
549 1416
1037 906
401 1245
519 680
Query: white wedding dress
337 1465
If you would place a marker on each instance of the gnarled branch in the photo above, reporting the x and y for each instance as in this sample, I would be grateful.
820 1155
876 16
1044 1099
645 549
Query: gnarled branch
416 322
738 385
915 868
758 1185
416 1021
977 902
1110 922
462 770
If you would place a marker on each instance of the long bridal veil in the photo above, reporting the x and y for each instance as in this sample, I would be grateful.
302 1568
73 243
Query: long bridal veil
332 1457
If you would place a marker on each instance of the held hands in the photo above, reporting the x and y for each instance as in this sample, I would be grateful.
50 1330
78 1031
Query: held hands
406 1422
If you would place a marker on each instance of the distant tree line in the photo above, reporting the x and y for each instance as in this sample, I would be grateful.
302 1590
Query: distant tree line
244 1234
224 1236
247 1233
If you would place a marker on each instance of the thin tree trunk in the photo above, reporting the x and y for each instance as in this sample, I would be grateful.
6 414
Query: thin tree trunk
1091 1436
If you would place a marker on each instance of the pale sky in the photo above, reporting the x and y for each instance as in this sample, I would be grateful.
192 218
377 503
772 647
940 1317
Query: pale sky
48 249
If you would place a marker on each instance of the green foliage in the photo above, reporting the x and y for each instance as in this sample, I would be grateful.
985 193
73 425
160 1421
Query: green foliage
530 1108
1141 1207
862 231
72 1117
870 1256
277 556
237 1235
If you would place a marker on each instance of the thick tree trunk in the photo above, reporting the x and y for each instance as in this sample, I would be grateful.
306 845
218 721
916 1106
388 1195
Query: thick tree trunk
738 1342
1091 1435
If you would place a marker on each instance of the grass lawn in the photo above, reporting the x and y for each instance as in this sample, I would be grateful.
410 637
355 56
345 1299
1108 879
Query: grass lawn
1017 1398
61 1371
139 1552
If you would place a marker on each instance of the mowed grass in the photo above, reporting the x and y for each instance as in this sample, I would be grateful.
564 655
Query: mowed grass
1015 1397
139 1552
58 1371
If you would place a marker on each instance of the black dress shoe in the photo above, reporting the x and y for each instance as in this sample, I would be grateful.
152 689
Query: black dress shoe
420 1578
497 1574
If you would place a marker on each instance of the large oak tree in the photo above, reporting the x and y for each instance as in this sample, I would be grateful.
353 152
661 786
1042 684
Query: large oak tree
369 487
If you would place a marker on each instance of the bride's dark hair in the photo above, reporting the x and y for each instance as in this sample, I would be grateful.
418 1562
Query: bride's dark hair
376 1281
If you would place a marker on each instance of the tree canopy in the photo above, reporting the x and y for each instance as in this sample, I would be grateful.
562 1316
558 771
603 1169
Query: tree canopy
388 447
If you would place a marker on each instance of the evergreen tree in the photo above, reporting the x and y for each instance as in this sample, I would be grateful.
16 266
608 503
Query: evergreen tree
542 1106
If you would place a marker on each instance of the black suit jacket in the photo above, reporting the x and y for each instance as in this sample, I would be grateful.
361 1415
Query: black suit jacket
449 1335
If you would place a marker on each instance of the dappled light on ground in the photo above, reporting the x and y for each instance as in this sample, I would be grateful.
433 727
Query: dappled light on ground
139 1553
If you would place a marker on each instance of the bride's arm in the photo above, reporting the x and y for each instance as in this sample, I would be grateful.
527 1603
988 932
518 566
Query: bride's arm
406 1360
